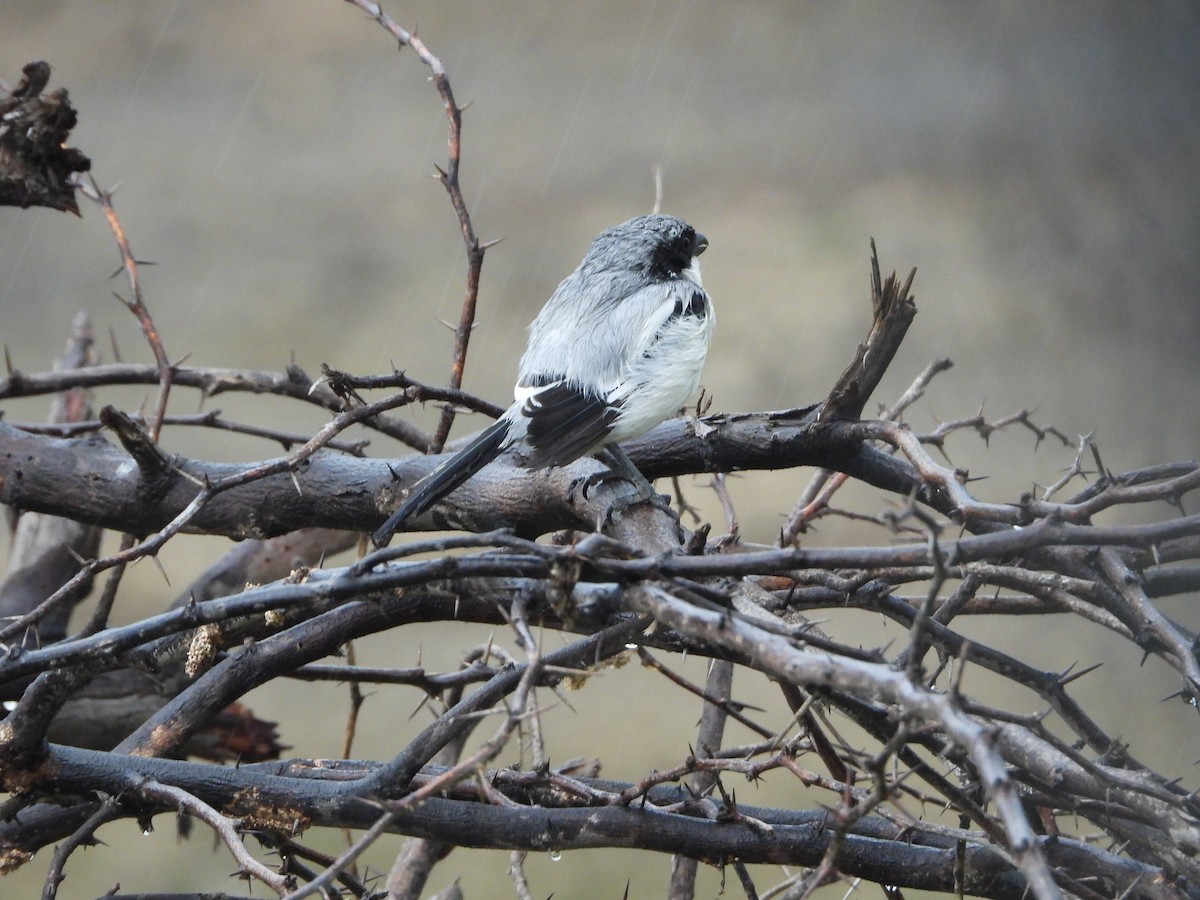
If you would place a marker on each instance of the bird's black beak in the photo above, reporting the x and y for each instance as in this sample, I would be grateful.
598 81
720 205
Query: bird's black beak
699 244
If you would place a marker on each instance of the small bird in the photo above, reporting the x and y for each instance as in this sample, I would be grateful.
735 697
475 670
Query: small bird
617 349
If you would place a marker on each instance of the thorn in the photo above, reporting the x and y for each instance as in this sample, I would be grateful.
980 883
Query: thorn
419 707
158 564
199 481
941 448
488 245
8 360
454 327
1064 679
296 482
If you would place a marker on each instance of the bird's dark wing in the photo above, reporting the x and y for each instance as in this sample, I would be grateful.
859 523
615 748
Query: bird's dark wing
563 423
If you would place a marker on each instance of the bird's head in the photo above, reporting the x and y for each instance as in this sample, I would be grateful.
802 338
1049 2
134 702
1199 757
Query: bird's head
658 247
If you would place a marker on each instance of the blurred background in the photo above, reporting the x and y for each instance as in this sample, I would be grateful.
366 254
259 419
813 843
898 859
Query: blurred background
1038 163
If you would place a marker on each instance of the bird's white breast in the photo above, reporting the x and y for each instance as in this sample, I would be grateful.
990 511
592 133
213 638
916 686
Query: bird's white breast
659 380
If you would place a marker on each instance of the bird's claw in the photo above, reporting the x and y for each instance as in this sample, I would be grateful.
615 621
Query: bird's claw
619 506
598 478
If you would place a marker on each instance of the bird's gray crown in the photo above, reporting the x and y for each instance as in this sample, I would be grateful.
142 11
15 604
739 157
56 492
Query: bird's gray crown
659 247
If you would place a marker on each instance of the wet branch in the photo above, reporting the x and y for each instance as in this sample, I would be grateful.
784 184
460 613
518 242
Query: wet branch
448 177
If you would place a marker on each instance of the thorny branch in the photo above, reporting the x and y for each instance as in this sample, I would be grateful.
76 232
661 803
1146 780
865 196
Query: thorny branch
135 303
867 572
334 391
154 464
449 179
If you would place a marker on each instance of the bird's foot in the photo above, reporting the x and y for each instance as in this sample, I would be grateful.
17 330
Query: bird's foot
641 494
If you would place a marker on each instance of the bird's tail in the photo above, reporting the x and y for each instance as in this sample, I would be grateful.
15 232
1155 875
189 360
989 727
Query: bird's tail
446 477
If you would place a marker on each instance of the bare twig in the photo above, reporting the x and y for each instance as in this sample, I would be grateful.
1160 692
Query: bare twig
85 834
448 176
718 687
801 667
221 826
135 302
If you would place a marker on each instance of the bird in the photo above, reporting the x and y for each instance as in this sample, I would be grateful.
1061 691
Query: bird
617 349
